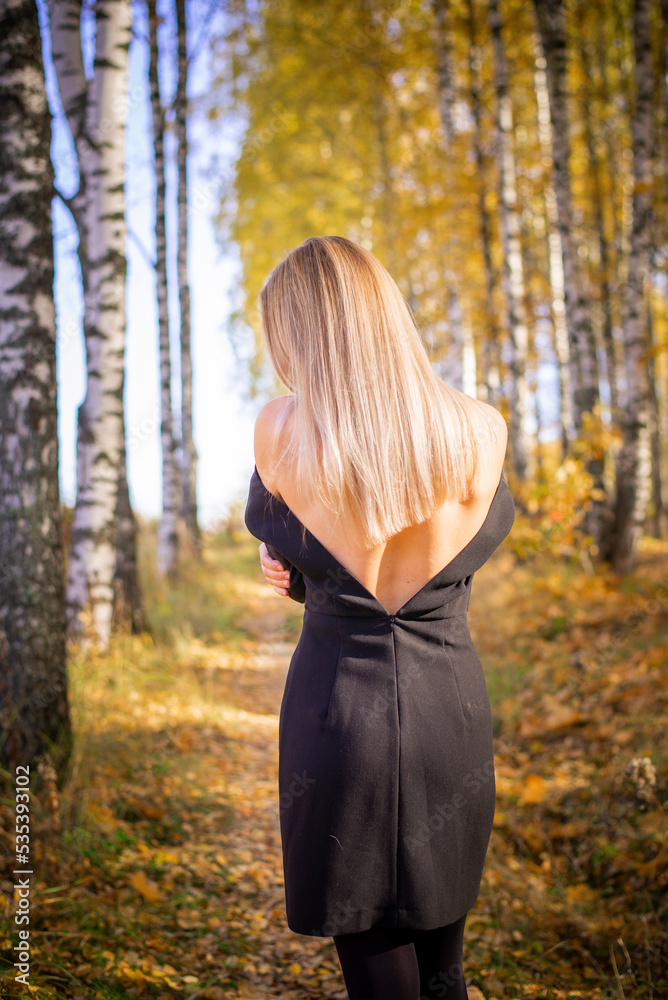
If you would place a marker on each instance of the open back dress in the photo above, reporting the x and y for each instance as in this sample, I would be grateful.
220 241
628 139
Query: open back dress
386 765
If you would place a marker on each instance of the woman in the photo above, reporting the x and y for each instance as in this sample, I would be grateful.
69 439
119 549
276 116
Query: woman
379 491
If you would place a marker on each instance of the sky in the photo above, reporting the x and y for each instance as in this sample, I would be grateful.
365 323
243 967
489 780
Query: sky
223 417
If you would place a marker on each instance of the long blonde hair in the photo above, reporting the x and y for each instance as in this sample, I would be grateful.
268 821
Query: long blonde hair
389 439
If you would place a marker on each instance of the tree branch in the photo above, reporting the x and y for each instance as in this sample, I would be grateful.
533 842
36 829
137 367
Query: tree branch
65 21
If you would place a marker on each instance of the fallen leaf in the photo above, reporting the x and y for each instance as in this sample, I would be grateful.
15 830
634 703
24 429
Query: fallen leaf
146 886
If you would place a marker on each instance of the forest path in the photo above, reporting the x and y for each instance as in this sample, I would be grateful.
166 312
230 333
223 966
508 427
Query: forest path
281 964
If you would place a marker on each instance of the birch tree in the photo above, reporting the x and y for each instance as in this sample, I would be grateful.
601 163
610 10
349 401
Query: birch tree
128 610
552 27
633 466
551 23
485 215
96 111
188 452
597 199
566 360
171 485
446 89
659 511
34 712
513 269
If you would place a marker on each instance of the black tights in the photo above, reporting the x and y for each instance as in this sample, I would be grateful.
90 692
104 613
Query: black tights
389 964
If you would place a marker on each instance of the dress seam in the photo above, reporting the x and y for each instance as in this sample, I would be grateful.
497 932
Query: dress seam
396 855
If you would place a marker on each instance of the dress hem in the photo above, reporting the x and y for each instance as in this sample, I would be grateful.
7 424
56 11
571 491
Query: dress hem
368 919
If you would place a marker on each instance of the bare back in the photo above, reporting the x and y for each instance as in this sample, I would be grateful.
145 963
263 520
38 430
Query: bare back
399 567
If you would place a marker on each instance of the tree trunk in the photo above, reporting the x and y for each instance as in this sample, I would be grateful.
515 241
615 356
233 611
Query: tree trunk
457 363
658 512
663 87
566 360
34 712
604 268
551 23
486 226
446 90
512 254
633 467
552 27
95 111
128 608
188 452
171 484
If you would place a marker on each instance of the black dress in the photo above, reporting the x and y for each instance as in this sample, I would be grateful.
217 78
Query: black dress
386 766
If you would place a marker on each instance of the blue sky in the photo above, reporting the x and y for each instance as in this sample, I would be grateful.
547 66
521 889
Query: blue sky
223 419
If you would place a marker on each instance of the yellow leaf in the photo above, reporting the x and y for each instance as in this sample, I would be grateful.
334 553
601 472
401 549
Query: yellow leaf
146 886
534 789
166 858
295 969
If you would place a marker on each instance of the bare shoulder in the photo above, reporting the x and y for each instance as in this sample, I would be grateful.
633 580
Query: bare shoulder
267 437
496 418
490 465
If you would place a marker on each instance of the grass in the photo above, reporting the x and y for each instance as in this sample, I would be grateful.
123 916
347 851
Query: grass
158 867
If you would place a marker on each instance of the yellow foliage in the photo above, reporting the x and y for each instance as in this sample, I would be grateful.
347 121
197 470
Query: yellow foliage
146 886
557 501
534 789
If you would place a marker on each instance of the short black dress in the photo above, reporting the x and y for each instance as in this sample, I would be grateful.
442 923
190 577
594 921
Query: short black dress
386 765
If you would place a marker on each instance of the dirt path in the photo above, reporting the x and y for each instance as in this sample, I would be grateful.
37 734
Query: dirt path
280 963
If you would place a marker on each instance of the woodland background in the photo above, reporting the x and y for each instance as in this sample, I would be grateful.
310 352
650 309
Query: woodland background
507 162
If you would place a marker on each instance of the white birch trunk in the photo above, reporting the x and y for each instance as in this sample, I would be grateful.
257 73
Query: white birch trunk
633 466
457 364
551 23
171 484
188 452
33 679
566 360
512 254
96 112
486 226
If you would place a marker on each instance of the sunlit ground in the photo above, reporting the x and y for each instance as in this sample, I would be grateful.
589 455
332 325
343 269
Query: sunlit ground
165 879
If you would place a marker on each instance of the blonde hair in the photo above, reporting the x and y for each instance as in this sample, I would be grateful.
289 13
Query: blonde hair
389 439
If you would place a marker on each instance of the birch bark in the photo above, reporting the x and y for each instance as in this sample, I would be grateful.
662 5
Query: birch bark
513 270
658 522
633 466
551 23
486 224
188 452
34 709
96 112
171 485
566 360
604 270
